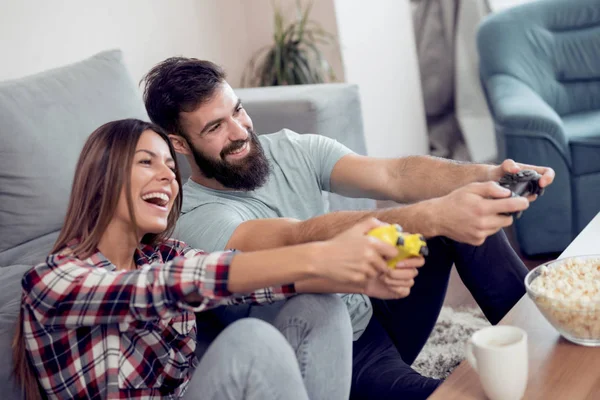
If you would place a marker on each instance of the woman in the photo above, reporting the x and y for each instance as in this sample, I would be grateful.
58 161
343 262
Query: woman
109 314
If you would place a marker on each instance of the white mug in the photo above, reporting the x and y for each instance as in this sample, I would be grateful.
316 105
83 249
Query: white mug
499 355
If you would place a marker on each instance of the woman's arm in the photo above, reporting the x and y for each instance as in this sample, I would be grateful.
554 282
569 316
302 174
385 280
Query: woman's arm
68 292
347 262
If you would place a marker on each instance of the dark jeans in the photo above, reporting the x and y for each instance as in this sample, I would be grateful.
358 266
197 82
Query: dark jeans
492 272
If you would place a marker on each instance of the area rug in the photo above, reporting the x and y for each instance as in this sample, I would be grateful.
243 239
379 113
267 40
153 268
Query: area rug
445 348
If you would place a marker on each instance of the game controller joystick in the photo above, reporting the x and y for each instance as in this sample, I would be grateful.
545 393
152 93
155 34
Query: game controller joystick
523 183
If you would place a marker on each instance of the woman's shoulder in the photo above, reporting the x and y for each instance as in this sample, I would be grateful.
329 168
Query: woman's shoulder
65 255
62 260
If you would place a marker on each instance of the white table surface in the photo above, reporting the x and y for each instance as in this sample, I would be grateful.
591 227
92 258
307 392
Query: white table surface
587 242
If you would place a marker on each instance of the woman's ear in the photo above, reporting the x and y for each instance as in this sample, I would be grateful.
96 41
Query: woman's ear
180 144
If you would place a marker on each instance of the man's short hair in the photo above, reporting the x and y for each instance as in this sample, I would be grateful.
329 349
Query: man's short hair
176 85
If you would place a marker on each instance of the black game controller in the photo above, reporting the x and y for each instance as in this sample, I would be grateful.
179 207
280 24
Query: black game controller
523 183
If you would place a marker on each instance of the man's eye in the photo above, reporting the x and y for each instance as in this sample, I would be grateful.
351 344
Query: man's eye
214 128
240 108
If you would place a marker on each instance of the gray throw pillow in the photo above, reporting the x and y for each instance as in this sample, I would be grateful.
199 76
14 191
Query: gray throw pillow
44 121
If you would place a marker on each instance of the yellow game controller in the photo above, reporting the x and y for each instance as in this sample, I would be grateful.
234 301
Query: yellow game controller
408 244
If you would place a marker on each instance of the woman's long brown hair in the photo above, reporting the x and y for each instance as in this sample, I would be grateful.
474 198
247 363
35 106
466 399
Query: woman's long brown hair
103 169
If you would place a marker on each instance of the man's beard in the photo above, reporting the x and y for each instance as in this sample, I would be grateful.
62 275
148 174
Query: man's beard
250 173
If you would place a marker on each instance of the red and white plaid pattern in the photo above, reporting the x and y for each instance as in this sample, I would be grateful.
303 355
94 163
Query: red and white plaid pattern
93 332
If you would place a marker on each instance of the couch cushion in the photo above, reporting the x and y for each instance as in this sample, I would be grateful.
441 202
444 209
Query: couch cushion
583 134
44 121
10 301
32 252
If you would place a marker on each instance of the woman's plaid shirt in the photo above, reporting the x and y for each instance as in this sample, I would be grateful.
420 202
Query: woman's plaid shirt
94 332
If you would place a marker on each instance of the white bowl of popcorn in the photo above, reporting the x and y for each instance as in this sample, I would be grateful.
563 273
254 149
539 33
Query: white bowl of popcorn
567 292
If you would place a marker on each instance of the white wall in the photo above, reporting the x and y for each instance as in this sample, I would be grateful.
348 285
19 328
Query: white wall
37 34
379 54
377 47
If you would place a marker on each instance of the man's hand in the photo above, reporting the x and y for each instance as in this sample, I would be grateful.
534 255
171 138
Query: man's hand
354 258
473 212
511 167
395 283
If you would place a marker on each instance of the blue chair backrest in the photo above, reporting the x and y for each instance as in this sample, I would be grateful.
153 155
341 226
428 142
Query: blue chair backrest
551 45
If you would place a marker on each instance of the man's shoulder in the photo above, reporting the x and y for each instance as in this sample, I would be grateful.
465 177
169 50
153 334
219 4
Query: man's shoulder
213 205
285 146
287 138
274 137
209 210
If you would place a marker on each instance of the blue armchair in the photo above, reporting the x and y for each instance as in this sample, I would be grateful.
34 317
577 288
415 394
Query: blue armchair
540 69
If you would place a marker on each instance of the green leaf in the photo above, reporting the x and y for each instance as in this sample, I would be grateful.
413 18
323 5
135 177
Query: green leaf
302 22
278 28
302 69
289 33
312 74
268 70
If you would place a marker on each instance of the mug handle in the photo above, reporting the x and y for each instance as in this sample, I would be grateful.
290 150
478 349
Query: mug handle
470 355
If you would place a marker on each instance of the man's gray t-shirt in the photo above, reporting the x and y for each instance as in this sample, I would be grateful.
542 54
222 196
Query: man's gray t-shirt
301 168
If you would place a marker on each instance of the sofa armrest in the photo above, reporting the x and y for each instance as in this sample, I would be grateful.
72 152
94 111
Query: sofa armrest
520 111
331 109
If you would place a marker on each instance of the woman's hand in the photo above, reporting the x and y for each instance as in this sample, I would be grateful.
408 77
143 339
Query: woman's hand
354 258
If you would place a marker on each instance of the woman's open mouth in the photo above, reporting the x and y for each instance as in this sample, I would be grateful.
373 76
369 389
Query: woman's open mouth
157 199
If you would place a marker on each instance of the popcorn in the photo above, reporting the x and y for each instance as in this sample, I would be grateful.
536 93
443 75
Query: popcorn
567 292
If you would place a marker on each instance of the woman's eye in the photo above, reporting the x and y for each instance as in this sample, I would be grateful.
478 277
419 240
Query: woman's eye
146 162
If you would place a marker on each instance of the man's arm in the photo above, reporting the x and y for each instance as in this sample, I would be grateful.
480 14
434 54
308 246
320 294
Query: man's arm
416 178
468 214
260 234
404 180
456 203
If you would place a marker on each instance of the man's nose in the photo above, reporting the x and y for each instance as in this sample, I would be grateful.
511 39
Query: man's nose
239 131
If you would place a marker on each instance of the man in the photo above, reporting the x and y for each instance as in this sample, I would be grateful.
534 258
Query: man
253 192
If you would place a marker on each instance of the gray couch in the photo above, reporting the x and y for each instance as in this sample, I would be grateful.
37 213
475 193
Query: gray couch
46 118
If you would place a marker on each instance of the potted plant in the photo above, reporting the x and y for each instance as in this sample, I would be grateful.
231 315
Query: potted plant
294 58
